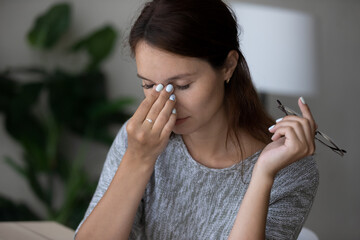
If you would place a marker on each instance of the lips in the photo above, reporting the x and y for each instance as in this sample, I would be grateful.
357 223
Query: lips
181 120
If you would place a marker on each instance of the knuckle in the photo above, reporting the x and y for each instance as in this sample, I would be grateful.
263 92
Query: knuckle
141 137
311 152
298 148
306 151
287 117
305 121
130 128
297 124
309 124
288 128
312 149
303 150
314 126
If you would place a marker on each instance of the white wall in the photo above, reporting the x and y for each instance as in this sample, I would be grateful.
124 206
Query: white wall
336 211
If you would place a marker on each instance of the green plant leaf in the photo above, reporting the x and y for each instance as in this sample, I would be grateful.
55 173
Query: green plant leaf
8 89
34 71
19 169
20 122
29 173
12 211
63 166
35 185
108 108
78 192
50 26
27 96
98 45
75 102
72 96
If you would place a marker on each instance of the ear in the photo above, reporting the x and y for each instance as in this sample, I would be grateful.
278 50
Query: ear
230 64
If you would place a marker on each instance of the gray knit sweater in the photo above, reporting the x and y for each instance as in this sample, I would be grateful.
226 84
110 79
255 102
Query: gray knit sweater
186 200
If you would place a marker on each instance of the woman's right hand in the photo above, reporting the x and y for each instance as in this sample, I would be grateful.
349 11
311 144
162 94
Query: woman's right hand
146 140
150 127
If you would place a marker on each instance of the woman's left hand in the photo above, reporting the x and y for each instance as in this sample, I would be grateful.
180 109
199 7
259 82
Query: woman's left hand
293 139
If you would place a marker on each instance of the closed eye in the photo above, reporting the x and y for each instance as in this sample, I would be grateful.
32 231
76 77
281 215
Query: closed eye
183 87
147 86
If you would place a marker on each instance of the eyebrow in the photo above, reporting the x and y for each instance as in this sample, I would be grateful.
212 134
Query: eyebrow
173 78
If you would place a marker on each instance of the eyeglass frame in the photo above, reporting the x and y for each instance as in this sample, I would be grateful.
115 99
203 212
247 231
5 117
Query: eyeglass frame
333 146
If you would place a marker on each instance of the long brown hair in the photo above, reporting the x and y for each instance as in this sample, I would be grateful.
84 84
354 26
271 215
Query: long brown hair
206 29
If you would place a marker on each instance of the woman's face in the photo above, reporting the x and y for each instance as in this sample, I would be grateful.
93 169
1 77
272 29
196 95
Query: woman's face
199 88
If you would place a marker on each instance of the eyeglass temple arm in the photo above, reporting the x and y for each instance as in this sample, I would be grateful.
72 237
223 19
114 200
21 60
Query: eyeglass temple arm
335 149
282 107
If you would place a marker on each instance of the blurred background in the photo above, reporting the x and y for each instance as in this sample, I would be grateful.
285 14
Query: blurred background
63 98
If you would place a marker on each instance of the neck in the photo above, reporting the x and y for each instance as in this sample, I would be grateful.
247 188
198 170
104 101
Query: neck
211 146
208 144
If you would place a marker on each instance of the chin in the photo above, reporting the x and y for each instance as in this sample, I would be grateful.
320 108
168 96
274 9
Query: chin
179 131
183 130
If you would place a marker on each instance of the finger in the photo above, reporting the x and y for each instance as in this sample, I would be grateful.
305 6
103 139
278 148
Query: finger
169 126
291 138
144 107
160 103
306 113
293 123
164 115
302 129
306 124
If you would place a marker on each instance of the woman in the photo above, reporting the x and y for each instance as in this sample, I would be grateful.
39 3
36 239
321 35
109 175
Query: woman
198 160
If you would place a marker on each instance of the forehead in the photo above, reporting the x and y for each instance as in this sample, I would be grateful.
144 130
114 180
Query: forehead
156 63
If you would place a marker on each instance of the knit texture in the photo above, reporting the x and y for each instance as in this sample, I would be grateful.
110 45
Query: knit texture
187 200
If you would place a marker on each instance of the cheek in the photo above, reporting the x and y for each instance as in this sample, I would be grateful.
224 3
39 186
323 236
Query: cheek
146 92
210 99
198 99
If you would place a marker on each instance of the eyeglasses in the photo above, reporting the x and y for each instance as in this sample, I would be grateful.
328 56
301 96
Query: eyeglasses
321 137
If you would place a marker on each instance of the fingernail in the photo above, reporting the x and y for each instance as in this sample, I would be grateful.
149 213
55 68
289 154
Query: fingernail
174 111
159 87
279 119
302 100
169 88
172 97
271 127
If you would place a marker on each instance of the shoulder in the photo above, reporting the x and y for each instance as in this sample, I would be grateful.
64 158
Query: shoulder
291 199
302 175
305 167
117 150
120 141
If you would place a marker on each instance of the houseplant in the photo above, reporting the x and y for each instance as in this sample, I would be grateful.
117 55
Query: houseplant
40 106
